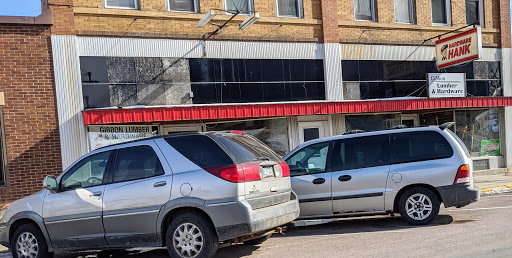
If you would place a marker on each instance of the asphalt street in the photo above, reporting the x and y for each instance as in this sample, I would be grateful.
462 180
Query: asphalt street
481 229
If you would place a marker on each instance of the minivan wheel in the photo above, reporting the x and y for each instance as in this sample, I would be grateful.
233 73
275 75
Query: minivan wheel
418 206
190 235
28 242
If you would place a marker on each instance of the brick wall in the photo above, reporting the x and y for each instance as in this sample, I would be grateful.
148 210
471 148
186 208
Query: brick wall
330 21
63 20
30 113
505 23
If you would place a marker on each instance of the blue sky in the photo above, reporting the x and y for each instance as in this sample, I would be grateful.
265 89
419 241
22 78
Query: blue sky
20 8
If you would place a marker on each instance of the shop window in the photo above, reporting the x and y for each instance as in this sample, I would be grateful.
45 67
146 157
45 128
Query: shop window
289 8
479 130
3 152
474 12
244 6
122 4
371 122
405 11
183 6
272 132
441 12
436 118
364 10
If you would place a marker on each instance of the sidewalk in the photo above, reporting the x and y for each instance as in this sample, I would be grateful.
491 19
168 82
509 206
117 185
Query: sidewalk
491 184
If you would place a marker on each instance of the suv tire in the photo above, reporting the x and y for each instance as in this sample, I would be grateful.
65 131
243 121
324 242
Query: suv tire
418 206
191 235
257 241
28 241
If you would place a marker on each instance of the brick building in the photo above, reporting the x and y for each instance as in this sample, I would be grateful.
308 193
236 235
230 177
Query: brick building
30 145
126 69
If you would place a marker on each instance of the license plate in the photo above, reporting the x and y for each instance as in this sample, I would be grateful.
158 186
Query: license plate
268 172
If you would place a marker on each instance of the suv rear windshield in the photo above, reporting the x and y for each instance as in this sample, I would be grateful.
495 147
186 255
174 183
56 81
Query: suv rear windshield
201 150
244 148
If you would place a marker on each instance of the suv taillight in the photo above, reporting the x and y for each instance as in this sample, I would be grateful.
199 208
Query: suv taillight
284 168
463 175
237 173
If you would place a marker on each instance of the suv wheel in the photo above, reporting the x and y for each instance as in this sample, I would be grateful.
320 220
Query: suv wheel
190 235
257 241
418 206
29 242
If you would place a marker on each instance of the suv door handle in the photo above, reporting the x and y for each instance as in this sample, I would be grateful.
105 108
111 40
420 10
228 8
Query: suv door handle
96 193
344 178
318 181
158 184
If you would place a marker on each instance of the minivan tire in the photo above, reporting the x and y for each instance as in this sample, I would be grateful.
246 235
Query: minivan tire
34 239
191 224
257 241
418 206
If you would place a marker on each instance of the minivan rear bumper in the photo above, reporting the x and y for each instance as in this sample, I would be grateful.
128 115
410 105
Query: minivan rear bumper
458 195
243 220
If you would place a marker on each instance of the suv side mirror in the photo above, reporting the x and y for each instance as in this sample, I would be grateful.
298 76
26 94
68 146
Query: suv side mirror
50 183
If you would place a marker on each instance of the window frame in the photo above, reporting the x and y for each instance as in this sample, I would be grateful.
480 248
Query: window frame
114 166
374 11
4 176
448 8
136 2
106 174
251 7
448 141
337 151
412 8
196 7
480 13
300 9
328 161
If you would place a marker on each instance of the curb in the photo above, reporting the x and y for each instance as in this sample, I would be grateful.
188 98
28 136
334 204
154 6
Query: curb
496 190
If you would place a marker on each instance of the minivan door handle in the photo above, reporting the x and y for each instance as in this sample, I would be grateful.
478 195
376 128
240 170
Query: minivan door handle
318 181
96 193
344 178
158 184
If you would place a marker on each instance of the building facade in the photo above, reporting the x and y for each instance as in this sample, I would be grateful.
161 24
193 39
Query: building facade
126 69
29 129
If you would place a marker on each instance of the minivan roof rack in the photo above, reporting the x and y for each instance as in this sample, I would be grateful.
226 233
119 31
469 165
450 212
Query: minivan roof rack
446 125
398 127
354 131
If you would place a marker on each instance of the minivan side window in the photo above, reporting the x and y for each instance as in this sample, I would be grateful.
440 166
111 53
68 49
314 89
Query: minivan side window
418 146
87 172
136 163
361 152
310 160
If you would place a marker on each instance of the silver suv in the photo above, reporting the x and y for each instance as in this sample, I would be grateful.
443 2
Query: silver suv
410 171
190 192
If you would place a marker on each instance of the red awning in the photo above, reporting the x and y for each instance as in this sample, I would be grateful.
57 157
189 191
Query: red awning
230 111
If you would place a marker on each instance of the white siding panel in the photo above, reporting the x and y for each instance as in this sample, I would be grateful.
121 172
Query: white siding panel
332 72
131 47
399 53
263 50
69 98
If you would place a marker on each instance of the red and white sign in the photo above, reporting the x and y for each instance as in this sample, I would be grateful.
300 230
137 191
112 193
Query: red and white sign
458 49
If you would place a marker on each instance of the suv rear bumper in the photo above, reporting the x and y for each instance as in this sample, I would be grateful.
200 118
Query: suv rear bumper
240 219
458 195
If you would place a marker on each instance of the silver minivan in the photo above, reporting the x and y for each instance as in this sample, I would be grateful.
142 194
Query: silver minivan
408 171
190 192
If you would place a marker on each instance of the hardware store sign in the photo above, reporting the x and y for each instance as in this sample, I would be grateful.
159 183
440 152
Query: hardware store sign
446 85
458 49
101 136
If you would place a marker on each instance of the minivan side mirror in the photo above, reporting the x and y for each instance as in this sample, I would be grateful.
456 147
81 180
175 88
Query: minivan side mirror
50 183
